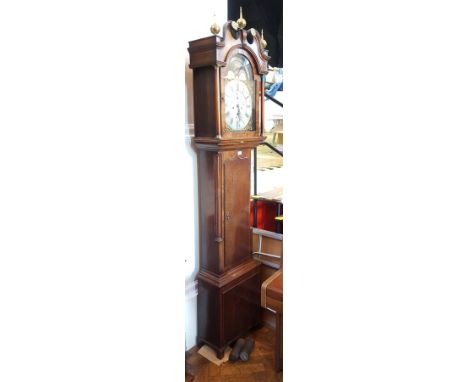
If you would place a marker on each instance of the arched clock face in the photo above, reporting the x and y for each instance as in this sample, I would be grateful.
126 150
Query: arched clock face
239 101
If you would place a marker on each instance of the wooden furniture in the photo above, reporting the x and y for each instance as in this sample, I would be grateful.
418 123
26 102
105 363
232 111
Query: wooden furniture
267 248
272 299
228 88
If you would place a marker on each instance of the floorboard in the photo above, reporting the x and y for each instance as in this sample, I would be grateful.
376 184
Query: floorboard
259 367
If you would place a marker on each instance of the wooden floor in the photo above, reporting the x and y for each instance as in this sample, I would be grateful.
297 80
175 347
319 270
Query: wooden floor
259 368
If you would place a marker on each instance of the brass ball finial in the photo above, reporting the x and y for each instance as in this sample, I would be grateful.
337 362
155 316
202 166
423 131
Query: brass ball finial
215 28
263 42
241 22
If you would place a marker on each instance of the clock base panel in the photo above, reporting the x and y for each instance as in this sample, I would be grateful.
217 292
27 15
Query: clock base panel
226 313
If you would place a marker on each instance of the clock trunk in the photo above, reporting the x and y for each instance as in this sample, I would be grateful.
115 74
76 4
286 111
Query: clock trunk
229 279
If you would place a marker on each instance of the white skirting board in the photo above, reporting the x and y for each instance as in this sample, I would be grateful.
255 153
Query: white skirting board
191 292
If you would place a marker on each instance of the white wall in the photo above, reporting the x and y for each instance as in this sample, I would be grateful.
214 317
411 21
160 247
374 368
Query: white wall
95 190
199 17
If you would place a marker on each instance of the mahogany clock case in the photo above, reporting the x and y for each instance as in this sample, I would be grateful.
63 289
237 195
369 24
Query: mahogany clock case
229 282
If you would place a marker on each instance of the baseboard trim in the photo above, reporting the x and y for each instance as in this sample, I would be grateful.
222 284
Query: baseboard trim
191 290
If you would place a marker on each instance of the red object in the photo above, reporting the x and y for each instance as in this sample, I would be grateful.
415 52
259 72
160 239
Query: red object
266 213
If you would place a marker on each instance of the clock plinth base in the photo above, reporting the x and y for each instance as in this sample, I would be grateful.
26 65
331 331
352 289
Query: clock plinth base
228 305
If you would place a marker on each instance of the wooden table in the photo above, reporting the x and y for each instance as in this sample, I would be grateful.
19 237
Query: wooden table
272 299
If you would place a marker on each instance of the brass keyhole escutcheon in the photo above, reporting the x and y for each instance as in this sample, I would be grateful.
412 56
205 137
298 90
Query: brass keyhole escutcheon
228 215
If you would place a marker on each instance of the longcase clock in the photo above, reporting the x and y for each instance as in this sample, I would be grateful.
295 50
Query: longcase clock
228 88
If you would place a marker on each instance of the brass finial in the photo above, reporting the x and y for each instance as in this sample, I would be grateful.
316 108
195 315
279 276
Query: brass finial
263 42
234 25
241 21
215 28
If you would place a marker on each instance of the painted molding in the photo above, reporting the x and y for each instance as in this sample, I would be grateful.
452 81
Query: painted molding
189 133
189 130
191 290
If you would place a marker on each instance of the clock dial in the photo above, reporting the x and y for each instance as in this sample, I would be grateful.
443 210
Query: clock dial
239 103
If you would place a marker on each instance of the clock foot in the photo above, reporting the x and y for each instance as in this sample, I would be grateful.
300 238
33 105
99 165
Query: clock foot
220 354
